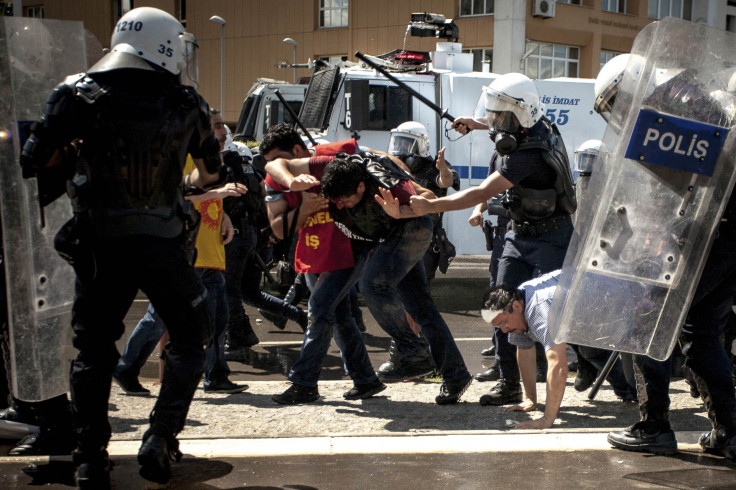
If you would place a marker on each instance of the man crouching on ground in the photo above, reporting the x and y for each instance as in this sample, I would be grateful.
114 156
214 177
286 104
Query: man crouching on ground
523 314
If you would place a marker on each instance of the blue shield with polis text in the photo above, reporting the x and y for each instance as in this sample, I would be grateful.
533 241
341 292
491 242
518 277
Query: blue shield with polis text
661 183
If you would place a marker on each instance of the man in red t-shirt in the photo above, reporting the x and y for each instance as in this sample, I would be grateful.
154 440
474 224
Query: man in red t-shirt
324 255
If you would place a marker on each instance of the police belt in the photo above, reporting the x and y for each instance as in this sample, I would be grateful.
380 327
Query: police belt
540 227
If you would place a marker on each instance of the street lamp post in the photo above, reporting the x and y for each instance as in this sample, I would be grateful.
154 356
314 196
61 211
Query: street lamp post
289 40
219 20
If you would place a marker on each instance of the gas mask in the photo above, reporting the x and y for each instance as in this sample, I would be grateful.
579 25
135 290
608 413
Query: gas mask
506 143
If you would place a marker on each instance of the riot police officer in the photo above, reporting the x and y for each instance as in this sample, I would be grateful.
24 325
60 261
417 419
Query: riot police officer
119 134
535 171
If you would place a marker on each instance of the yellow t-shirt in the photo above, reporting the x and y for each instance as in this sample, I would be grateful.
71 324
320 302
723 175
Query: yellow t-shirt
210 250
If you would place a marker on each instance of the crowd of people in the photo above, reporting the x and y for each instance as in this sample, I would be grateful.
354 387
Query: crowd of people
181 222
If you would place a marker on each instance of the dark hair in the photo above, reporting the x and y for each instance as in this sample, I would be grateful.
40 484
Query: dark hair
282 136
500 297
341 178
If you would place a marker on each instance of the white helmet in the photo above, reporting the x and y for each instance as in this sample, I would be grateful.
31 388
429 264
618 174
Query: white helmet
509 103
585 155
409 137
155 36
608 82
236 146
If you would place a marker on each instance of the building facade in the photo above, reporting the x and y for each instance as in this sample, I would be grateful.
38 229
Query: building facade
542 38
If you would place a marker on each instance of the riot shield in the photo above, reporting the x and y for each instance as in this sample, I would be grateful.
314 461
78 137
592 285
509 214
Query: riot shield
661 184
35 55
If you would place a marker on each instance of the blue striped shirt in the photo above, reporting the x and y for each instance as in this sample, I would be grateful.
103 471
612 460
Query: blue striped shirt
538 294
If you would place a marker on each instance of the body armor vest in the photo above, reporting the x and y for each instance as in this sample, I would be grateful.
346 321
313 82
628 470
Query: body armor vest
249 204
526 204
367 219
136 140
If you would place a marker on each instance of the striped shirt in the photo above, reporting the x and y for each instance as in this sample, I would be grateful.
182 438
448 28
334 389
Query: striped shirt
538 294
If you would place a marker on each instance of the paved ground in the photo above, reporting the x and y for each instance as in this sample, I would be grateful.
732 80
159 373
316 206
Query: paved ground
400 438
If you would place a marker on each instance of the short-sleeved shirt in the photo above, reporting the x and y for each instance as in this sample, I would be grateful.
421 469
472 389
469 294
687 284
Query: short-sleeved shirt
528 169
210 249
537 294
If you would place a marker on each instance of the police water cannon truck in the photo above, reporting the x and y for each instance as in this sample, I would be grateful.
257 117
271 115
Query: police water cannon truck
362 102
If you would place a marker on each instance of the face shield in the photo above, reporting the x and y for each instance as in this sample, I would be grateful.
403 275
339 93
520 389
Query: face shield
190 70
401 145
584 159
503 112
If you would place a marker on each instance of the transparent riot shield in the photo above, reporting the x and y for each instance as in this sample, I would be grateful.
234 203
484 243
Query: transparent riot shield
661 186
35 55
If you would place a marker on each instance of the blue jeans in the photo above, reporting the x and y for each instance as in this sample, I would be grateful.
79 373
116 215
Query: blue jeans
215 365
141 344
151 328
394 281
329 314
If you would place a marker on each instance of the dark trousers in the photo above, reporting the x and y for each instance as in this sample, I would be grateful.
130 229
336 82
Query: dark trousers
700 339
525 258
124 265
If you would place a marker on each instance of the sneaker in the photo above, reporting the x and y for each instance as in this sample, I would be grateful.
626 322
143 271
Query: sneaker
505 392
297 394
391 372
489 352
364 390
717 442
646 436
130 385
224 386
491 374
450 392
585 376
278 321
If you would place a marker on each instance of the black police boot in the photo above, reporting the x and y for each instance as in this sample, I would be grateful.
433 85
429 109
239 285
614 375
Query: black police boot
19 411
55 435
93 469
646 436
491 374
586 374
505 392
395 369
155 457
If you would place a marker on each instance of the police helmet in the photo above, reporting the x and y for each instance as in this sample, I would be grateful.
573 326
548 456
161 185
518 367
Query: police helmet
147 37
409 138
510 103
585 155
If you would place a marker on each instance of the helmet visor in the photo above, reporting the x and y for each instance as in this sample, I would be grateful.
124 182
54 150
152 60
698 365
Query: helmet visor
503 112
402 145
584 161
190 70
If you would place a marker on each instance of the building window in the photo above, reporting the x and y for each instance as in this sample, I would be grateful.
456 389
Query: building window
333 13
333 60
571 2
36 12
122 7
476 7
480 55
551 61
681 9
614 6
607 56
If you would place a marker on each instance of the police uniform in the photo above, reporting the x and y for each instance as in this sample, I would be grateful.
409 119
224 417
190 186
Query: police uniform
136 127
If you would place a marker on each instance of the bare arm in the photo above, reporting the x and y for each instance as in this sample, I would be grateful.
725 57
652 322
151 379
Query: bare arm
293 174
231 189
200 177
556 381
527 359
492 185
444 179
227 229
